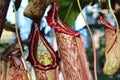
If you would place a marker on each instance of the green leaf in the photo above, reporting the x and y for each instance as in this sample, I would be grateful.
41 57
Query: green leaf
68 9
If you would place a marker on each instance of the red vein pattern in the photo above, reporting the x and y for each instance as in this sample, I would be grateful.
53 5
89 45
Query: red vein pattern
70 47
112 62
33 42
36 8
39 45
16 68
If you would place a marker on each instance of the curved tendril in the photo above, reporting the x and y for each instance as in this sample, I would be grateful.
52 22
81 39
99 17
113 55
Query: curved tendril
109 4
95 70
17 34
117 26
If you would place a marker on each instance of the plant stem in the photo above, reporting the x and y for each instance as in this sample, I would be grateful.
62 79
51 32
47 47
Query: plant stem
109 4
94 50
20 44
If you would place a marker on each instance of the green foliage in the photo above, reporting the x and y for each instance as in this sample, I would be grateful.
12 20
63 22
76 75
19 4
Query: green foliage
68 9
3 48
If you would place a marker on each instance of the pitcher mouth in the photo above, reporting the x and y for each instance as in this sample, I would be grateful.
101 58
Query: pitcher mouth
39 61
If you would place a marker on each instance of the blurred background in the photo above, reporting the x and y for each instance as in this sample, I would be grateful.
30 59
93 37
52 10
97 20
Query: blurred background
72 16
